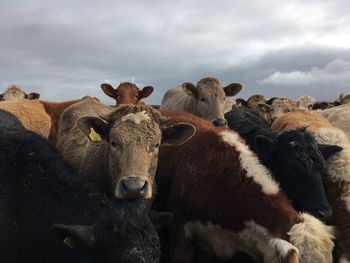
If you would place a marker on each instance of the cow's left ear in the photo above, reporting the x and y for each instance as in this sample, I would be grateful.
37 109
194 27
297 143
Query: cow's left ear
232 89
177 134
160 219
145 92
75 235
33 96
263 146
328 150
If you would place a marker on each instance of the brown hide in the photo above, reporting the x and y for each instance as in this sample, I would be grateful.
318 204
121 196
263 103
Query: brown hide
30 113
203 180
55 109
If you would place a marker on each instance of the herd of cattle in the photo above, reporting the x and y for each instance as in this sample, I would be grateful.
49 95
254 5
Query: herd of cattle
200 178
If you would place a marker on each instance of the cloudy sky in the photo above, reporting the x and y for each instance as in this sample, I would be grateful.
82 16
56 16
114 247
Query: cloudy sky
65 49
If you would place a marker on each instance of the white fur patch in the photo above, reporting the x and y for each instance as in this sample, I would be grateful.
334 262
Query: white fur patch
282 246
137 118
251 163
313 239
343 260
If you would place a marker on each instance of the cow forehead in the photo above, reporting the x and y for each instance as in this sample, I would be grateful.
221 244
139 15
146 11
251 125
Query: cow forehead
136 118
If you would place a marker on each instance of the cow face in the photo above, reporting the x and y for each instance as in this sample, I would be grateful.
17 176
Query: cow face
14 93
133 135
125 240
306 103
279 107
299 167
209 97
254 100
127 93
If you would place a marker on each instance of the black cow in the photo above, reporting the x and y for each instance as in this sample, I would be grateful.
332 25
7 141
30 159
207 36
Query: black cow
293 157
9 120
48 214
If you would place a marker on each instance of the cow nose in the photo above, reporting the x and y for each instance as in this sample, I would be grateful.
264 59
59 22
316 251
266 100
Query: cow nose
134 187
325 214
219 122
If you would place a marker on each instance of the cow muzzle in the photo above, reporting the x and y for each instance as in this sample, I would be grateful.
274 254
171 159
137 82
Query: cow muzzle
132 188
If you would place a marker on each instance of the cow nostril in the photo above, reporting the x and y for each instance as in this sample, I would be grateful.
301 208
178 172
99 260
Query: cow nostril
219 122
325 214
144 187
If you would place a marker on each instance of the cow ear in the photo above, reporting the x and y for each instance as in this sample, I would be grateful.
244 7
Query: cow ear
269 101
264 107
190 89
232 89
328 150
263 146
145 92
75 235
108 90
177 134
33 96
94 128
160 219
241 102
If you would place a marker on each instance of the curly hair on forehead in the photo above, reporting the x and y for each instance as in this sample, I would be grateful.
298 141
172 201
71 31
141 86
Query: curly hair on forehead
123 110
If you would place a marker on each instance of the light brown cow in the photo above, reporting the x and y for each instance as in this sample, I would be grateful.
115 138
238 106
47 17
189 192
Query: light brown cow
30 113
14 93
225 201
344 98
280 106
127 93
305 102
206 99
337 184
117 149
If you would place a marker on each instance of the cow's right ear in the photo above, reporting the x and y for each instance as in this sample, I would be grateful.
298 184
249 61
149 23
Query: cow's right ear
108 90
190 89
33 96
263 146
94 128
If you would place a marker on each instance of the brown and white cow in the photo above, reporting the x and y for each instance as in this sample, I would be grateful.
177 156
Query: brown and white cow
14 93
31 113
337 184
127 93
116 148
225 200
206 99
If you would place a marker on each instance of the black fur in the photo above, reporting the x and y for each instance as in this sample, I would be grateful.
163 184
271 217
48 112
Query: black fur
292 157
38 190
9 120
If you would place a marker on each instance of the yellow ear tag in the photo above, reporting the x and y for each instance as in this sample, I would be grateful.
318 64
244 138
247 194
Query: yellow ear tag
94 136
68 242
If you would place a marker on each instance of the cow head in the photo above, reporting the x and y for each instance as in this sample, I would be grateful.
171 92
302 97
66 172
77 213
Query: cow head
280 106
132 135
209 97
344 99
305 102
299 166
127 93
123 235
14 93
254 100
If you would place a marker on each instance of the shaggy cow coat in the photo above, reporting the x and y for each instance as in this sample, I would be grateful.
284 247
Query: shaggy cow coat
31 113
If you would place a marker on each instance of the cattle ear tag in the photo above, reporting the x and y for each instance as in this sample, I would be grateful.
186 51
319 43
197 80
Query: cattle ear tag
68 242
94 136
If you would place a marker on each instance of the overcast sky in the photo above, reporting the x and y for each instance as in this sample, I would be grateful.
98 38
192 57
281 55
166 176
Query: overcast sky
66 49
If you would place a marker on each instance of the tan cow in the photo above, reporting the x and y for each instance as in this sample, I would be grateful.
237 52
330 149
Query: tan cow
127 93
280 106
14 93
30 113
305 102
337 183
117 148
206 99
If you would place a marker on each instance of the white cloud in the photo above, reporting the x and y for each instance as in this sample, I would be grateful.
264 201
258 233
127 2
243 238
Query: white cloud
335 73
